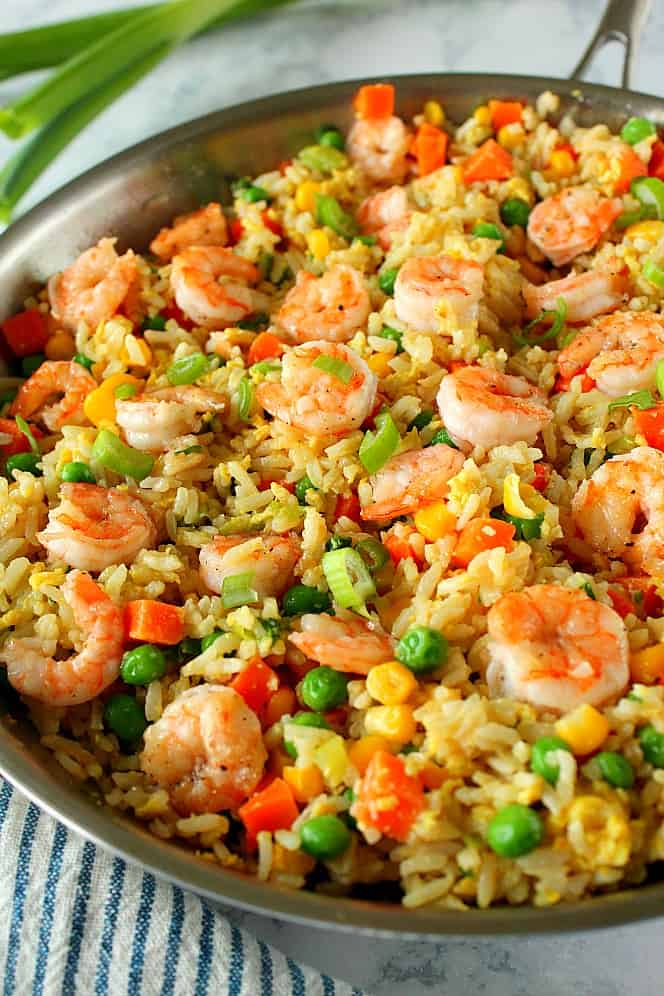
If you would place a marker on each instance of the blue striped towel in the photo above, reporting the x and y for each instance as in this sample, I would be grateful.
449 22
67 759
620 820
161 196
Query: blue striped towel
75 920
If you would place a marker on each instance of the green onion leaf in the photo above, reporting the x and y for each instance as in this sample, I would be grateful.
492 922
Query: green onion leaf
245 397
335 367
628 218
650 192
442 436
188 369
653 273
124 391
323 158
190 449
329 212
377 447
27 432
373 553
636 129
236 590
587 587
266 366
348 578
637 399
559 316
112 453
526 529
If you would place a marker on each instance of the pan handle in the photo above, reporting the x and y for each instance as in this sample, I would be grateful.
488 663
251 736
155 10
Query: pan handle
623 21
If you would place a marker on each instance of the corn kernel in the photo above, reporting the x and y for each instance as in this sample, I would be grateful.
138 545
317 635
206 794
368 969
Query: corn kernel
434 113
482 115
136 352
511 136
306 783
282 703
458 174
391 683
291 862
99 406
646 666
518 186
585 729
650 230
332 759
305 196
60 346
318 243
435 521
561 163
380 364
361 751
394 722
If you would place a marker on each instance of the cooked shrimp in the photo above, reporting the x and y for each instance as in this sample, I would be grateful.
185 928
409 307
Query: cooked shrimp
206 749
413 479
424 282
268 558
93 288
486 408
206 227
318 402
53 377
332 307
571 222
93 528
556 648
620 352
586 295
210 286
384 213
85 675
378 146
620 510
154 420
349 645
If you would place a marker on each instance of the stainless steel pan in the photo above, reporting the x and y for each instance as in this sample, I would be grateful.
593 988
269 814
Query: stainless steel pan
132 195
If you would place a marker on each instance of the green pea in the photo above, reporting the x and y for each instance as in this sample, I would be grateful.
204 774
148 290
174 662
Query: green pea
652 745
31 363
421 420
157 322
514 211
84 361
395 335
442 436
142 665
303 598
330 136
615 769
485 230
324 688
324 837
540 761
386 279
515 830
337 542
305 719
125 717
422 649
301 488
24 461
77 472
208 640
253 194
636 129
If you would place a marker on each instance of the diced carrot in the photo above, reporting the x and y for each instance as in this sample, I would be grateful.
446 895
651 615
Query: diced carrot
153 622
348 506
376 100
455 365
489 162
563 383
388 799
272 808
621 603
264 347
630 166
542 475
568 147
480 535
399 545
504 112
26 332
256 683
283 166
429 146
650 424
172 311
656 163
19 442
651 602
235 230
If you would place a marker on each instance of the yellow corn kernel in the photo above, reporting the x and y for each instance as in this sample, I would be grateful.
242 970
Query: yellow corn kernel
291 862
584 729
650 230
519 187
305 196
512 500
434 113
391 683
646 666
380 364
318 243
458 174
482 115
361 751
332 759
511 136
99 406
136 352
60 346
435 521
561 163
40 578
394 722
306 783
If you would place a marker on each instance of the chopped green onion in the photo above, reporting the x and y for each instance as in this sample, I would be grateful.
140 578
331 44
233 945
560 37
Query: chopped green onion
587 587
653 273
636 129
526 529
386 281
485 230
650 192
442 436
253 324
366 240
266 366
395 335
659 377
245 397
253 194
628 218
112 453
190 449
124 391
374 554
23 461
377 447
330 212
338 542
84 361
301 488
559 316
323 158
188 369
421 420
637 399
348 578
27 432
157 323
335 367
236 590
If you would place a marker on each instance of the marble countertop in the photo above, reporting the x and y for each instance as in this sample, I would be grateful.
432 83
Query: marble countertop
320 42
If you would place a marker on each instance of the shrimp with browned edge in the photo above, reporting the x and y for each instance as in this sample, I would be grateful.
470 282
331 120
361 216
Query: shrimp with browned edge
571 222
331 307
411 480
205 227
153 421
52 378
267 560
620 352
349 645
93 528
586 295
424 282
556 648
206 750
620 510
85 675
211 286
379 146
316 398
94 287
384 213
482 407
